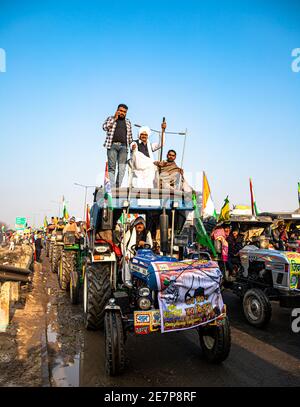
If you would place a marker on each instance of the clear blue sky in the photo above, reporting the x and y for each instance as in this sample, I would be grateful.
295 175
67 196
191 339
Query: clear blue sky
222 69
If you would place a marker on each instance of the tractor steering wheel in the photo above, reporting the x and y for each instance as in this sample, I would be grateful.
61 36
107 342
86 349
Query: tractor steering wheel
134 247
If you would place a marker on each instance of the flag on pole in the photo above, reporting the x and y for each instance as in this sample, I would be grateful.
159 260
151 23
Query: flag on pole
255 211
65 211
45 222
202 236
208 207
88 217
225 211
299 193
107 188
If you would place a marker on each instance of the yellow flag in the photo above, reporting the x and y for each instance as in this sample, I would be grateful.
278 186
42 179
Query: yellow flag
225 211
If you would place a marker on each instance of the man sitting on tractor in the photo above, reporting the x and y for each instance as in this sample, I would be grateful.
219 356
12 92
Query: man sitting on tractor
72 227
170 173
136 237
279 236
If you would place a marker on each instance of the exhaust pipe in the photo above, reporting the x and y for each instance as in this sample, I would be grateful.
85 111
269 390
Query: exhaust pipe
164 224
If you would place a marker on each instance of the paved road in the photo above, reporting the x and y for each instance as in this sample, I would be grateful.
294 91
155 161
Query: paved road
269 357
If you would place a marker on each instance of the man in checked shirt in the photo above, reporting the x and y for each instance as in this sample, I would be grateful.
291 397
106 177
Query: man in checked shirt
118 139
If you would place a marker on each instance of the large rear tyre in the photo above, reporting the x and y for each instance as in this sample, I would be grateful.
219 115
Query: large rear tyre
57 252
53 259
47 248
68 266
74 288
215 341
257 308
96 293
51 245
114 343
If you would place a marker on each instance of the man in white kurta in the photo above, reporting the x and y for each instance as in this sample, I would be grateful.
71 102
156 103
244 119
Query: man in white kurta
136 236
143 169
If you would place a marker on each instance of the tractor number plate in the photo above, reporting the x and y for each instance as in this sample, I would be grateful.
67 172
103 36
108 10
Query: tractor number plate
146 322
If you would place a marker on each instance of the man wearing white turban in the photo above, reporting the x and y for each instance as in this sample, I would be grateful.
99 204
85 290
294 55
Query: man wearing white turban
143 169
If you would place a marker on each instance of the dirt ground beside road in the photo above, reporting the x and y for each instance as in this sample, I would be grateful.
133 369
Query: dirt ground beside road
40 340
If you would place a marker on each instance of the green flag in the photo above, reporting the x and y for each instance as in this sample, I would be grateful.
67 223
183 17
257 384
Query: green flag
202 236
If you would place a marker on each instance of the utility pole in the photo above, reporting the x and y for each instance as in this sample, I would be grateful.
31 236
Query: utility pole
85 194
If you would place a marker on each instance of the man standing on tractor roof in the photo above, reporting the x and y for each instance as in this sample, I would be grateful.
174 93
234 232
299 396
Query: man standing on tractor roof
118 139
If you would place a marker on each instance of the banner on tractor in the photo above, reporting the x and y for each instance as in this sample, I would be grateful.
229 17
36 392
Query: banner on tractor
189 293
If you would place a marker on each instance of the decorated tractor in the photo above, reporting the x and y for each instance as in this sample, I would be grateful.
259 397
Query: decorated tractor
167 293
262 274
267 275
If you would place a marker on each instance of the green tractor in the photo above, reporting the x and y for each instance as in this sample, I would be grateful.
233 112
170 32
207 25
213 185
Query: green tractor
72 266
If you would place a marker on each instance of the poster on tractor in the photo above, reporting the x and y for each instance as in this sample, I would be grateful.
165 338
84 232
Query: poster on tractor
294 260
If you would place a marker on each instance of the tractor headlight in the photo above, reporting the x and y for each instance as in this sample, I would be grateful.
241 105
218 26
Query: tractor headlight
144 303
102 249
144 292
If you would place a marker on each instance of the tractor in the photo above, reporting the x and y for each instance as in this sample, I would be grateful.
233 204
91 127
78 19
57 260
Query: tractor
147 306
262 274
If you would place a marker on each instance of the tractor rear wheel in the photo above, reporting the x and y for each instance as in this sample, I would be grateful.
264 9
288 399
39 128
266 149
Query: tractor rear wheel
50 253
114 343
215 341
57 252
68 265
47 248
96 293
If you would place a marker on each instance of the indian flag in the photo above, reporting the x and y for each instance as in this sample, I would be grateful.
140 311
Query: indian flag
107 188
255 211
208 207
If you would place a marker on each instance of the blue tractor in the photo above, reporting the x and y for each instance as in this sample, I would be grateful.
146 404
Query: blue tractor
168 292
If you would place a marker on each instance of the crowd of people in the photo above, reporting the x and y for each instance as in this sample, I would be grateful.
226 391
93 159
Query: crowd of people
37 238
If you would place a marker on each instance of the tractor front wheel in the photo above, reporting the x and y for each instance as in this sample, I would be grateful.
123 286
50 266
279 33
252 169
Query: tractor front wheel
114 343
96 293
215 341
257 308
